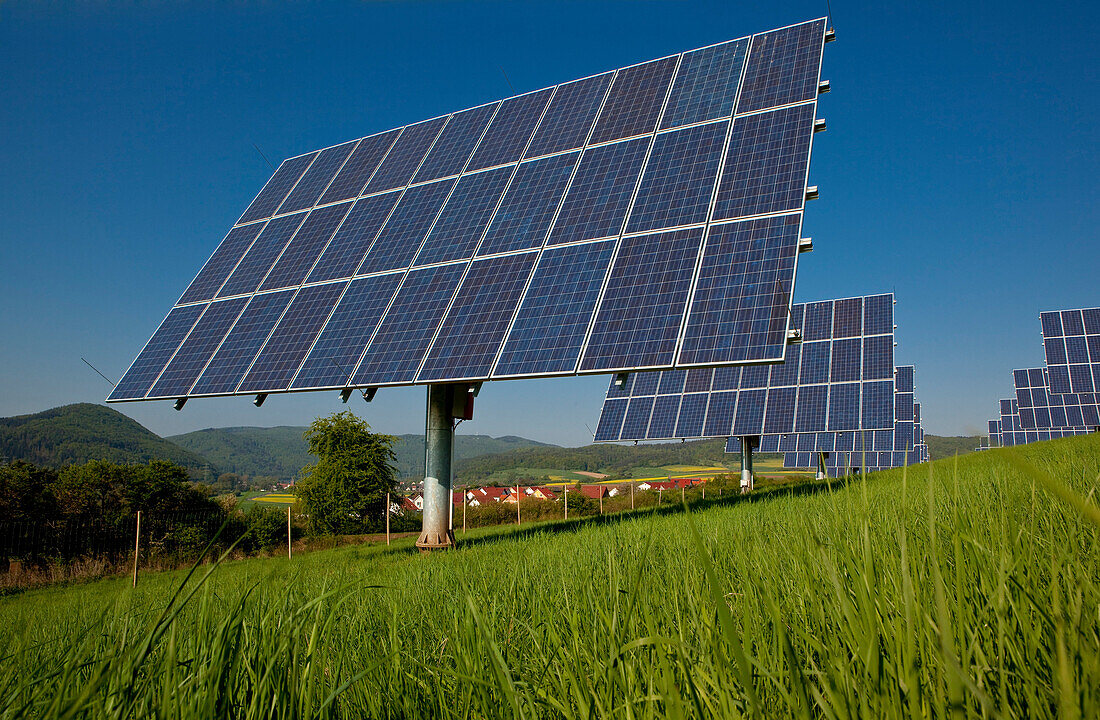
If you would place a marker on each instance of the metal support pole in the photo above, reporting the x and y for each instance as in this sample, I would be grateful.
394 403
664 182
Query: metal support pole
387 518
746 464
137 545
464 501
601 501
631 494
518 521
439 434
288 537
821 466
566 502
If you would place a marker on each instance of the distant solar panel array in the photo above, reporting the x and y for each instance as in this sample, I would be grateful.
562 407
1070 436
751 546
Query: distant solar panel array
1061 399
648 217
839 378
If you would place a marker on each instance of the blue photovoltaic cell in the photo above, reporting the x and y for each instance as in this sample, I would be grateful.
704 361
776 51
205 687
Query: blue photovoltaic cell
260 257
903 378
464 217
818 324
815 362
848 318
144 370
700 379
611 421
635 100
812 404
877 397
646 384
783 67
283 354
693 410
510 131
787 372
427 194
221 263
640 313
662 424
549 329
405 156
706 84
397 244
671 382
637 416
351 179
679 177
397 349
320 174
780 410
300 255
240 346
846 362
844 407
339 346
623 389
451 151
351 242
878 357
599 196
750 413
878 314
483 307
903 407
570 115
197 349
720 413
528 207
765 168
743 293
277 188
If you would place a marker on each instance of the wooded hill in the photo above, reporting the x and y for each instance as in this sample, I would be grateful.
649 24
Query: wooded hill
75 434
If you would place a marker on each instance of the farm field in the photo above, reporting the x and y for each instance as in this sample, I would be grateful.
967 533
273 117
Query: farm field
968 586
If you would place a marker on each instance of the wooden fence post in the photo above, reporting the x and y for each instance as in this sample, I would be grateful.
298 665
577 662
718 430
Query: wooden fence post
288 536
631 494
387 518
137 545
566 502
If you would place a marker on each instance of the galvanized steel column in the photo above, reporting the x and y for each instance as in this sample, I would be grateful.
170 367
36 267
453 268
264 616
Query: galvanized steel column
439 433
746 464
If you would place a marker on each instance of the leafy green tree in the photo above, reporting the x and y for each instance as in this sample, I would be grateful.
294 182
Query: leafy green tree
343 492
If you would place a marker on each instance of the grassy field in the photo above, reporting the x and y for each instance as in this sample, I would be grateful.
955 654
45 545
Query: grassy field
970 587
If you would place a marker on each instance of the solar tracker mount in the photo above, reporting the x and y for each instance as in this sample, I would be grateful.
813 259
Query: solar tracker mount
648 217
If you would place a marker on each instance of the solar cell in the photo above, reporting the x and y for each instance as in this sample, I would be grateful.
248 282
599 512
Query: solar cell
317 178
766 163
192 356
405 156
706 84
362 163
525 213
350 244
570 115
599 195
783 67
395 353
479 318
611 420
464 217
156 353
404 231
511 130
277 188
235 354
303 250
740 307
253 267
456 143
678 181
639 316
282 354
209 280
422 195
548 332
635 101
798 395
340 345
637 415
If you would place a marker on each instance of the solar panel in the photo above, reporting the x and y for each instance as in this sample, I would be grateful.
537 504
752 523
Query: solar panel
671 156
827 383
1071 340
1040 409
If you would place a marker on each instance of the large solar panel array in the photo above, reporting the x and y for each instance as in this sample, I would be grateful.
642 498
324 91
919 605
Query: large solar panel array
1041 409
839 378
648 217
1010 431
1071 339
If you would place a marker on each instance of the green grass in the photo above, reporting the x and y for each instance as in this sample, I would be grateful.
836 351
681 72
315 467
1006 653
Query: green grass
967 588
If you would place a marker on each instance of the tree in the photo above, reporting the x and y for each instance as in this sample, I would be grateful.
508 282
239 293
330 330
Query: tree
343 491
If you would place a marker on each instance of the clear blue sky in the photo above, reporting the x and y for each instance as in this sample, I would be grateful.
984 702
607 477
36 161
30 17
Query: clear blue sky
959 170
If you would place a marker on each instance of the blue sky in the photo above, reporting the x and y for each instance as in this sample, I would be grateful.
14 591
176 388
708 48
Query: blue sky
958 170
